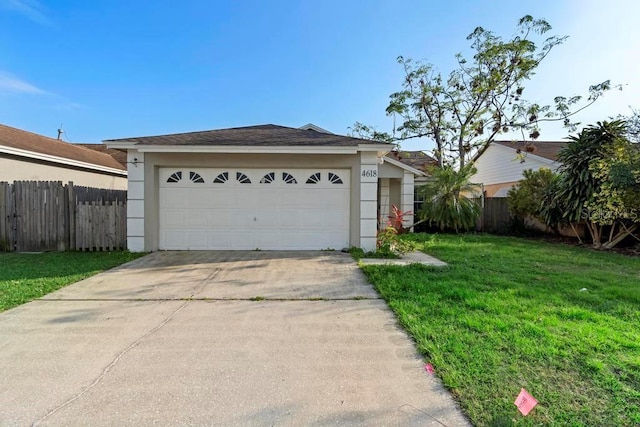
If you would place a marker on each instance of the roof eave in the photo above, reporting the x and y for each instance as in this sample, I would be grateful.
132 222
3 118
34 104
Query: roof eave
61 160
403 166
381 149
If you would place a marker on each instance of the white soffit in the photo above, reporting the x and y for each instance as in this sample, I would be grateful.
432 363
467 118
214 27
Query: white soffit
61 160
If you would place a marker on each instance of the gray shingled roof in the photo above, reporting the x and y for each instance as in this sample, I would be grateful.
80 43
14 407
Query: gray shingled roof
547 149
261 135
416 159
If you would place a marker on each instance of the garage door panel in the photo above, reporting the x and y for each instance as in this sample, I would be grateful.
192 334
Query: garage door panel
172 217
267 219
219 218
242 198
197 218
170 199
337 220
289 218
242 240
196 240
266 196
266 240
335 240
219 240
313 219
196 213
195 198
242 220
336 198
174 239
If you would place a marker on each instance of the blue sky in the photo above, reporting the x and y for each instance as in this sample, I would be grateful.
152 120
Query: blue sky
109 69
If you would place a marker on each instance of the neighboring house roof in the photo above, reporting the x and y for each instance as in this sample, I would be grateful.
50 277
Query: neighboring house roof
311 126
403 166
546 149
21 143
416 159
119 155
250 136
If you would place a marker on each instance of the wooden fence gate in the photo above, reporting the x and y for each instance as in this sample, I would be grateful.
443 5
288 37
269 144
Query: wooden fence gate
495 217
51 216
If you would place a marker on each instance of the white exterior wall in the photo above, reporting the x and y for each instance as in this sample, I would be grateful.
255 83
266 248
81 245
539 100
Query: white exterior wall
13 169
384 202
135 202
368 200
498 164
407 195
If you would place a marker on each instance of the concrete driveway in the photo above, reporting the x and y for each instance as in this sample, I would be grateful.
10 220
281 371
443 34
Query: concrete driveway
216 338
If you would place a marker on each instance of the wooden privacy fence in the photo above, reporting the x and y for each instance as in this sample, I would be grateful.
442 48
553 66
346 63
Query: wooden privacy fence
101 226
495 217
51 216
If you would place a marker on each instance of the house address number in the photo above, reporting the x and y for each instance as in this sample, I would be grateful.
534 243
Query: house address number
369 173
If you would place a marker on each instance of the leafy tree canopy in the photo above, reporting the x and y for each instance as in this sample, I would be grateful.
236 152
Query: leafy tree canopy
483 97
528 197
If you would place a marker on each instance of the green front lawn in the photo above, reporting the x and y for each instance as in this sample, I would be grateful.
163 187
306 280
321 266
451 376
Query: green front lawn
24 277
562 322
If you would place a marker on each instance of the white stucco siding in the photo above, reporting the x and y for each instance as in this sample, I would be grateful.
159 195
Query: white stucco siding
500 164
368 201
135 202
407 198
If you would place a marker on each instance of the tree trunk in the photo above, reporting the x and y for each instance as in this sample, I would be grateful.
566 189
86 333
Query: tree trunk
622 234
596 234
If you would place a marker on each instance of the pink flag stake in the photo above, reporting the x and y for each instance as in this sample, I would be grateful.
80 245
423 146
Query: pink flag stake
525 402
429 368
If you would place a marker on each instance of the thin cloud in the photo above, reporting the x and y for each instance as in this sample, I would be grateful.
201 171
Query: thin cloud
68 106
10 83
32 9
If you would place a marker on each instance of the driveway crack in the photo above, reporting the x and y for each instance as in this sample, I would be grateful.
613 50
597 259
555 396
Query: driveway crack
111 365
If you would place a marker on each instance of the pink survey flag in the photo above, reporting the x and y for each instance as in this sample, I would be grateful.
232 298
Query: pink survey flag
429 368
525 402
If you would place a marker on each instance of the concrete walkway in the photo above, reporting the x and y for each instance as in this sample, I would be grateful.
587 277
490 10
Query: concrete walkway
216 338
406 259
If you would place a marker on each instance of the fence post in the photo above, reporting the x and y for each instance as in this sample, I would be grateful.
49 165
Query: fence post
4 217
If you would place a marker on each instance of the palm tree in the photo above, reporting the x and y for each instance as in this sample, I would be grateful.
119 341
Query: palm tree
448 198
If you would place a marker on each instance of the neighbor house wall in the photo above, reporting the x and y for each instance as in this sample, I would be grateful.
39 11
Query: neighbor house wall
19 169
501 165
491 189
359 233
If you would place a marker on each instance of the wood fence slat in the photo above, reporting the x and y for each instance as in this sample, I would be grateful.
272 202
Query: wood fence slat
112 226
3 218
19 218
11 202
78 232
94 231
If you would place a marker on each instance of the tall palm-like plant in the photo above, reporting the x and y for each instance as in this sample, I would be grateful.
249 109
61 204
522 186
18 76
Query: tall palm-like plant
449 198
598 182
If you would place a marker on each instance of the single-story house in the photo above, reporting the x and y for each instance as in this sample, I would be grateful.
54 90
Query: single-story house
26 156
260 187
500 164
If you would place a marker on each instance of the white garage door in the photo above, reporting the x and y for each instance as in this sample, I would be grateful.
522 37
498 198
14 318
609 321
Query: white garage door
254 208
